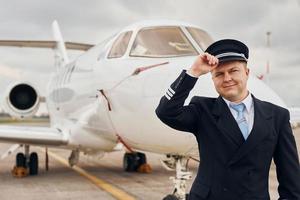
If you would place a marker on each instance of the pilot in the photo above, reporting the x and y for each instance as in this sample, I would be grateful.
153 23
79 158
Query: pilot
237 134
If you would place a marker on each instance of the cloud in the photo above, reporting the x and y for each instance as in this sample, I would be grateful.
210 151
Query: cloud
94 20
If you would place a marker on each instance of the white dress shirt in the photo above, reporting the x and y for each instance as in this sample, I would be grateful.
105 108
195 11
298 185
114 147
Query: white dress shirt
248 112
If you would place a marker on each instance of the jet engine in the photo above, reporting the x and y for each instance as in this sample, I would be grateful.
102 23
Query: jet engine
21 100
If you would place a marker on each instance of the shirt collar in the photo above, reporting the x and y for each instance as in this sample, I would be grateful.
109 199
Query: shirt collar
248 101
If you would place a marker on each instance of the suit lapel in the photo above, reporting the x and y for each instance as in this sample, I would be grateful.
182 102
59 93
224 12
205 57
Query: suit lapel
261 129
226 122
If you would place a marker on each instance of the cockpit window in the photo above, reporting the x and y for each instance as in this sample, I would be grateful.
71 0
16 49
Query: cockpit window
161 42
119 47
201 37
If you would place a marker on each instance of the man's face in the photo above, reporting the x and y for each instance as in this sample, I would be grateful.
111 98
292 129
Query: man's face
230 80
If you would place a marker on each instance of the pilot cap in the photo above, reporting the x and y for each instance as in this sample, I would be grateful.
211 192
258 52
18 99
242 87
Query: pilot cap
228 50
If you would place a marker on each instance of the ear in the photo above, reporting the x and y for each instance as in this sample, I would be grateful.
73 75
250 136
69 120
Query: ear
247 71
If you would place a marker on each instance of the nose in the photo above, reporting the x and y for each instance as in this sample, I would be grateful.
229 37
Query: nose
227 77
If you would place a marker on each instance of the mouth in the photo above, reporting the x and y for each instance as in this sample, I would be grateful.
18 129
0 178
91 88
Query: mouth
229 86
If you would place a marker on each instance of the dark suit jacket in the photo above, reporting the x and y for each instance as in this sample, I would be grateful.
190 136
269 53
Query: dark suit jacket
230 167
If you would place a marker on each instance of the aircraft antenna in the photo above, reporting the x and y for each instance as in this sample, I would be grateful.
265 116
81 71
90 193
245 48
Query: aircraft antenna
268 33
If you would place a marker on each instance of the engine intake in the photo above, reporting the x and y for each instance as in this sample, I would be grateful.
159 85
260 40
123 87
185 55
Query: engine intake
23 97
21 100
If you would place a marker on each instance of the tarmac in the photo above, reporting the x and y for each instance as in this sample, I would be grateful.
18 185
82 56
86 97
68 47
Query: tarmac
95 178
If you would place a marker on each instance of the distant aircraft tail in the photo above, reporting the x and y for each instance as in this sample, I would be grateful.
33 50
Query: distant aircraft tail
61 57
58 44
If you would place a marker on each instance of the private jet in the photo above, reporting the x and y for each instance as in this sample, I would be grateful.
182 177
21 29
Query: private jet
106 98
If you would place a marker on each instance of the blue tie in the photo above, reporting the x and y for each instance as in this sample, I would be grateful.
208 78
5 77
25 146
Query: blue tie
241 120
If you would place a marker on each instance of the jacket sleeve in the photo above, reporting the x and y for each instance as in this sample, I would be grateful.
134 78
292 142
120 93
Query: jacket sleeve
287 162
171 109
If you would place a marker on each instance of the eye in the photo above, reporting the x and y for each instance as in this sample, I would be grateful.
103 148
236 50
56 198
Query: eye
234 70
217 74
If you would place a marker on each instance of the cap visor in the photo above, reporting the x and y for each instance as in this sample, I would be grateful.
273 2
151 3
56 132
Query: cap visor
231 58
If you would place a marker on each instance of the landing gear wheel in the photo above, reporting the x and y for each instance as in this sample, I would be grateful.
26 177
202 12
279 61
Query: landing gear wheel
173 197
141 157
26 163
187 196
170 197
20 160
20 169
130 162
133 161
33 164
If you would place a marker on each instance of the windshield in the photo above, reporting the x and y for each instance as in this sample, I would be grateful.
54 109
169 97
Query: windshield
201 37
162 42
119 47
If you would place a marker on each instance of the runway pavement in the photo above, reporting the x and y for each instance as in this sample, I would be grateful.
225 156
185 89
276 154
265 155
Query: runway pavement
62 182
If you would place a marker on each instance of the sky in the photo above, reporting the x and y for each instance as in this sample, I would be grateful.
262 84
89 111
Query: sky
94 20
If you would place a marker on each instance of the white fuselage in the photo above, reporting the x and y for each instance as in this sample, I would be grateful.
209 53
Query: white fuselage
80 110
77 107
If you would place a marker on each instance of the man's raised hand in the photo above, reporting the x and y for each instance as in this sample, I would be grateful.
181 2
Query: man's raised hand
203 64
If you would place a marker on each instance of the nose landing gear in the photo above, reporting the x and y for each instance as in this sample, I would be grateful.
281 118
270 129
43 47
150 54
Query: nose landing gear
179 164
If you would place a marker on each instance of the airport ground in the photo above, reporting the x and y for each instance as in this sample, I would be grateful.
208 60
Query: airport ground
62 182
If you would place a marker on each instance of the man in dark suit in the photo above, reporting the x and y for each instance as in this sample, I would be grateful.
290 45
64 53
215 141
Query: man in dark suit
237 134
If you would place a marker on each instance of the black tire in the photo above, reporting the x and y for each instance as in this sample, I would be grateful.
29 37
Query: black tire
141 159
20 160
187 196
129 162
34 164
170 197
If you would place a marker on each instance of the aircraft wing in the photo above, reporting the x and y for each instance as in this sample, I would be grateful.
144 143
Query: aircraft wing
32 135
44 44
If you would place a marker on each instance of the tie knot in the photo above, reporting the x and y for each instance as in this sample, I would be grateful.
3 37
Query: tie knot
238 107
